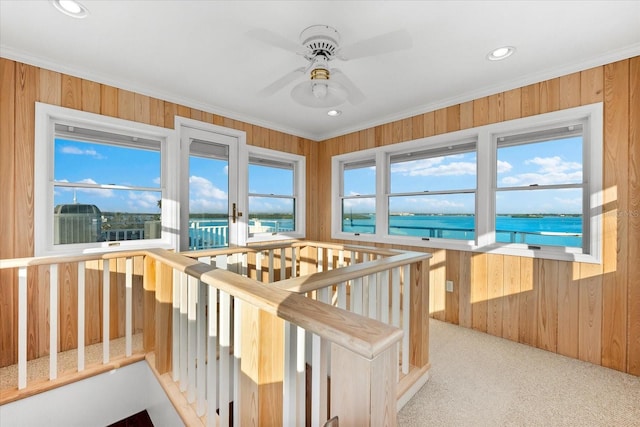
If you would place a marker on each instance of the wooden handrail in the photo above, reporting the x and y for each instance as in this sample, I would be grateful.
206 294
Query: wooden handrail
363 336
315 281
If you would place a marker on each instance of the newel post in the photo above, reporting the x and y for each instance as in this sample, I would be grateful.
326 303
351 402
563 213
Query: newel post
364 391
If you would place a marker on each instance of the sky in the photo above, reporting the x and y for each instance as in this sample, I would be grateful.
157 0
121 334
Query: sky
93 163
543 163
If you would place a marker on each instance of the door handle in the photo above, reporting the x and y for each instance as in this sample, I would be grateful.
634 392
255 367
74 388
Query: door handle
235 213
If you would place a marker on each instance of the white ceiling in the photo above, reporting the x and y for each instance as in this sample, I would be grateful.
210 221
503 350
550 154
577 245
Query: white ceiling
200 54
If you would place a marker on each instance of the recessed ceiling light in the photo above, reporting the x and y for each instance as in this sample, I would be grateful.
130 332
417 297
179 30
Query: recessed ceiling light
334 113
501 53
71 8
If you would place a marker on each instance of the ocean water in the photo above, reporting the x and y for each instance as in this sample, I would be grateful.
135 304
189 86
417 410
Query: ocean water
550 230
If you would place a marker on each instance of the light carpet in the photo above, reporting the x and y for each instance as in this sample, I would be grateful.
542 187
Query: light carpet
480 380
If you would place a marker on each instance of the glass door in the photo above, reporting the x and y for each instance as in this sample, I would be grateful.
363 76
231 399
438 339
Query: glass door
210 213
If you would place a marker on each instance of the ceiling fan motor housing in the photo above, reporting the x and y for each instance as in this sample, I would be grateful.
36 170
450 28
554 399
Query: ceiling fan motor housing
320 40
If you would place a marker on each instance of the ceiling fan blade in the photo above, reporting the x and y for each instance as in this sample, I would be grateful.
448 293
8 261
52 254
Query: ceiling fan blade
282 82
274 39
384 43
355 94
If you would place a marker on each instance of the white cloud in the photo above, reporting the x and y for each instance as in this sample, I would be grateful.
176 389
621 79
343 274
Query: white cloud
98 192
206 197
70 149
552 170
504 166
553 164
434 167
145 201
203 188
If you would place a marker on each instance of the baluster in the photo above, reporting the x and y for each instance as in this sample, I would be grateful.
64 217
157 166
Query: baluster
342 295
244 260
290 378
271 272
320 260
283 264
225 342
236 310
259 266
177 292
221 262
53 322
365 289
383 285
373 295
128 306
294 261
395 297
192 294
106 277
212 351
201 348
22 327
357 295
184 331
406 308
81 313
320 356
301 382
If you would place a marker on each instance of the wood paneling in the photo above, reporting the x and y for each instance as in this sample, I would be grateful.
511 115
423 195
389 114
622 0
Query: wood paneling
633 297
585 311
21 86
580 310
8 290
616 202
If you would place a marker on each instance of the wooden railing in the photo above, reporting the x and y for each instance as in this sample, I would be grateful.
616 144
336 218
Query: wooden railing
258 334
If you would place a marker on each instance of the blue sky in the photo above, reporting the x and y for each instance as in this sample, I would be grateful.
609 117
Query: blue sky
552 162
92 163
543 163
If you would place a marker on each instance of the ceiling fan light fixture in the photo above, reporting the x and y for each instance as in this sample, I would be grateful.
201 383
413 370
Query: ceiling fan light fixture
319 90
306 93
71 8
501 53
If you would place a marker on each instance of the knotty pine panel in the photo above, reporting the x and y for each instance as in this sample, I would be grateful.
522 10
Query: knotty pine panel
585 311
9 287
633 297
616 172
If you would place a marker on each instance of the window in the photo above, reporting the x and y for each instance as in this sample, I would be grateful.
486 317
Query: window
527 187
540 187
103 183
432 192
275 195
358 197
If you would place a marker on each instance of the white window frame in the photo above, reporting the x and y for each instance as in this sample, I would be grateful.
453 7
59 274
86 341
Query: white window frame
46 117
299 175
486 137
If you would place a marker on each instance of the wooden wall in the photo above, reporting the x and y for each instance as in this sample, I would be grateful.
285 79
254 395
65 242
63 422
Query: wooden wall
584 311
21 85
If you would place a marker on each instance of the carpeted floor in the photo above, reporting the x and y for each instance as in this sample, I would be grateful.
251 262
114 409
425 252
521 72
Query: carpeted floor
481 380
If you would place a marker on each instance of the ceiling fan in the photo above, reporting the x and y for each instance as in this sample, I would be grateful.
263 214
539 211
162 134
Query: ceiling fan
320 45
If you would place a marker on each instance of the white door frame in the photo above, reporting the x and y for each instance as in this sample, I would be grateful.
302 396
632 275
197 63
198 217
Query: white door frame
236 141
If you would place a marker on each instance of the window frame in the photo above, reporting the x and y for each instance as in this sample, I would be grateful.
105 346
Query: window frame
486 172
298 163
46 117
459 145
